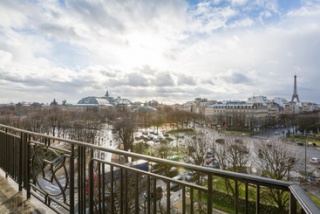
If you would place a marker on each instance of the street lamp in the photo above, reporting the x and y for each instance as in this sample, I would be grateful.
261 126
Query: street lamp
305 159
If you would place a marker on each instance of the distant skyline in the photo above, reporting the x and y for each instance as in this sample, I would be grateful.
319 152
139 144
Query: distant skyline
171 51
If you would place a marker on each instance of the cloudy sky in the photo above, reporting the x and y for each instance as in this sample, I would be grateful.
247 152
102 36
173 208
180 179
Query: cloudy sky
169 50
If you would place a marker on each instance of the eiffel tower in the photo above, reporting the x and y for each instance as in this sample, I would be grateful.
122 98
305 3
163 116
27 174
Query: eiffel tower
295 94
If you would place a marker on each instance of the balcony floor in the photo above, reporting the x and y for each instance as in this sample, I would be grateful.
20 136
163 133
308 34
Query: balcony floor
13 201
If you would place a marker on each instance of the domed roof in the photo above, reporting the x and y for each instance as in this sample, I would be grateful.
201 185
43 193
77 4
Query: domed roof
101 101
145 107
122 101
106 100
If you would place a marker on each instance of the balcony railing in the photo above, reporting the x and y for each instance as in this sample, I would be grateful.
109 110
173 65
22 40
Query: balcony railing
75 177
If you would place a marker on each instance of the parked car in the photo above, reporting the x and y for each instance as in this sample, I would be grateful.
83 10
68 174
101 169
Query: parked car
191 176
178 177
174 185
312 180
314 160
214 164
156 168
209 155
173 171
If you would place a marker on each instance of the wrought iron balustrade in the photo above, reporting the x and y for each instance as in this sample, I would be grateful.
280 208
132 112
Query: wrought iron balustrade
75 177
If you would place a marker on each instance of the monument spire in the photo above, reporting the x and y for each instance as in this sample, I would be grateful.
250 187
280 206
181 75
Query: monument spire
107 93
295 93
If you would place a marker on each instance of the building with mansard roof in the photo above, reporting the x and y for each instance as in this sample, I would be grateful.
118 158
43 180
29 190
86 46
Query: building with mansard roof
237 114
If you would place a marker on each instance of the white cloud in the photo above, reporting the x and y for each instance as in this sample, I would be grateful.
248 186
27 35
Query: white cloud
238 2
5 58
162 48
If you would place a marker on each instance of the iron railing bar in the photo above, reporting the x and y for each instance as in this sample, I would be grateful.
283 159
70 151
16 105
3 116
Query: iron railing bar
258 199
152 174
84 157
154 199
53 147
53 208
6 153
236 197
100 205
84 183
112 196
183 199
136 194
293 204
91 182
168 196
11 135
28 167
79 180
304 200
20 163
148 199
210 193
71 177
126 192
121 190
191 201
47 197
246 197
103 184
65 206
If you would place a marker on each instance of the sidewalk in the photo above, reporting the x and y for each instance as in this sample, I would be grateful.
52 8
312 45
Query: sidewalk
15 202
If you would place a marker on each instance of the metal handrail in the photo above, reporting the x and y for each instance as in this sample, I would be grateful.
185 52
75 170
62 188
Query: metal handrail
296 191
304 200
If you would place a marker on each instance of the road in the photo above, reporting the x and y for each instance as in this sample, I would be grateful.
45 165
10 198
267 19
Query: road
303 152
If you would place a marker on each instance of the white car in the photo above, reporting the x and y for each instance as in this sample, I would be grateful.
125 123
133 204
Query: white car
174 185
314 160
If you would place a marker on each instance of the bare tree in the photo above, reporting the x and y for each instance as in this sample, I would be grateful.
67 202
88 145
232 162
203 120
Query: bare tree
164 150
197 147
277 161
53 118
231 155
124 128
34 121
84 126
237 156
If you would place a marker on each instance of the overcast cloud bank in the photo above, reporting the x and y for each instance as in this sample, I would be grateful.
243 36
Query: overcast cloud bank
171 51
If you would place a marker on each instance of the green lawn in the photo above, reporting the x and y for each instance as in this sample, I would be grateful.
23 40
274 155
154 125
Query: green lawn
304 139
235 132
176 131
223 200
315 199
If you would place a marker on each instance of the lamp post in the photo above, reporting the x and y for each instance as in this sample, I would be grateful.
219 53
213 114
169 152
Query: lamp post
305 157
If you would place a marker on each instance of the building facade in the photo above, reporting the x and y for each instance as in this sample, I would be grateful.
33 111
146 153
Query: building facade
237 114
